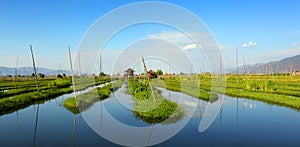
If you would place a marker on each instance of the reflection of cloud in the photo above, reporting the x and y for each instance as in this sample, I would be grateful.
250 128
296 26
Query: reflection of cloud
191 104
249 104
251 43
190 46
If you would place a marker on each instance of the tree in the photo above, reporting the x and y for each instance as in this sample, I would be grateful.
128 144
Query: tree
159 72
101 74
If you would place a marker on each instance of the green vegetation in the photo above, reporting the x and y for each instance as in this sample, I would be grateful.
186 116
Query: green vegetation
87 99
22 93
159 72
281 90
149 109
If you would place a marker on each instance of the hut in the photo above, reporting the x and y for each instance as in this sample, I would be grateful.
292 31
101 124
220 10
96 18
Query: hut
151 74
129 73
296 73
59 76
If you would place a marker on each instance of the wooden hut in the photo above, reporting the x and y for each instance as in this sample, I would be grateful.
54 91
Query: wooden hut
129 73
296 73
151 74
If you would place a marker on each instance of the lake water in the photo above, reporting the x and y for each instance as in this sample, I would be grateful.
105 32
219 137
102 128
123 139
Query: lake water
239 122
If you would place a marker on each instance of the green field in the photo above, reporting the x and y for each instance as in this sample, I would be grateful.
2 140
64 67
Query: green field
283 90
85 100
19 93
152 109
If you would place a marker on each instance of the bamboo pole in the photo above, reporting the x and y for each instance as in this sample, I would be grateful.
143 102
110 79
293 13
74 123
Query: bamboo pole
237 64
244 64
146 71
16 72
79 64
34 67
71 67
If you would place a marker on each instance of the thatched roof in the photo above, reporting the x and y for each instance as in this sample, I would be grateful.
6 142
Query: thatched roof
129 70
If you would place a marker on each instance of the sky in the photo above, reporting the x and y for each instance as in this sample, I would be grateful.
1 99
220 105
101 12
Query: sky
263 30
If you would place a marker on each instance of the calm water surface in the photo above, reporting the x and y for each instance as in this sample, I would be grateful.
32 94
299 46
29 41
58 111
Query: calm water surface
240 122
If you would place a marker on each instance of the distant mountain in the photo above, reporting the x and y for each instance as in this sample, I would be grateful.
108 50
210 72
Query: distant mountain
285 65
4 71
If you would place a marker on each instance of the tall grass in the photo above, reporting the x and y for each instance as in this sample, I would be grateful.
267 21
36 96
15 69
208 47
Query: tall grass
150 110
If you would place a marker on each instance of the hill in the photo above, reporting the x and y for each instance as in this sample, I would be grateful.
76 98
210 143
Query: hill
285 65
4 71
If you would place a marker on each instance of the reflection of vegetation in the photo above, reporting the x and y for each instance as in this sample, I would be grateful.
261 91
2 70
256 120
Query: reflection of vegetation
13 99
86 100
277 89
187 86
147 109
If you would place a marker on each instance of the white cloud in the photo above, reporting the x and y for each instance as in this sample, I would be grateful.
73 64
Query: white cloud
251 43
174 37
190 46
294 44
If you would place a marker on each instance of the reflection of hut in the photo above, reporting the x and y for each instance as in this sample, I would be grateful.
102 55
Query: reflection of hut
296 73
129 73
151 74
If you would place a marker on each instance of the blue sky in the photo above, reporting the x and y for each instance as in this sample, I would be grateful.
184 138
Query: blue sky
51 26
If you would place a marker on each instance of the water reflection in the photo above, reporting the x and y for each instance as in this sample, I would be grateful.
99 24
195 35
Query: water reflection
73 131
259 124
36 124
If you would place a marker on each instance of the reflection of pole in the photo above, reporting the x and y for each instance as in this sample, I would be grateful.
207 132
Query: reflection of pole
73 132
237 112
150 135
244 105
221 114
18 121
146 71
100 112
36 123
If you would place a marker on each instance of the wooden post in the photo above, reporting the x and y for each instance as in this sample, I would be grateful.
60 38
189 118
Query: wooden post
71 67
146 71
237 64
79 64
249 72
34 67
